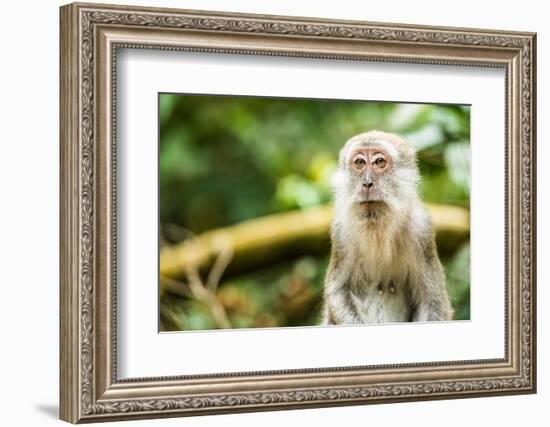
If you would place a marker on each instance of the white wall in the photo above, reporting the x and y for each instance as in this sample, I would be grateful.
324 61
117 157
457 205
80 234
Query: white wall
29 170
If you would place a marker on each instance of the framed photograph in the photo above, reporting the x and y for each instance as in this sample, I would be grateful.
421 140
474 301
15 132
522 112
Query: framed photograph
266 212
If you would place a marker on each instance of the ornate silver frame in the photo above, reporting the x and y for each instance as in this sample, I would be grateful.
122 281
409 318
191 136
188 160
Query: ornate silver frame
90 36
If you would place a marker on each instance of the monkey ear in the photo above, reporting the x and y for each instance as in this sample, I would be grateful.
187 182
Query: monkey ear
338 179
342 156
409 152
406 149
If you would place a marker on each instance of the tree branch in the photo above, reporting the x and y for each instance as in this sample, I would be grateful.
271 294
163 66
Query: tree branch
264 241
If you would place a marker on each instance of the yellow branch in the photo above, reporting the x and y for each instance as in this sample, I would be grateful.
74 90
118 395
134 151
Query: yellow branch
263 241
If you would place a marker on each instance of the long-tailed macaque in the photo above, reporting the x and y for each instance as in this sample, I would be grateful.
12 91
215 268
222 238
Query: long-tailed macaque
384 265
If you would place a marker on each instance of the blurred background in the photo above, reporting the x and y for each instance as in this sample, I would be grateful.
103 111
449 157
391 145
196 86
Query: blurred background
245 202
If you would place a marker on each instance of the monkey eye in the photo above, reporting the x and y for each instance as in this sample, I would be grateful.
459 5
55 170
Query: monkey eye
359 161
380 162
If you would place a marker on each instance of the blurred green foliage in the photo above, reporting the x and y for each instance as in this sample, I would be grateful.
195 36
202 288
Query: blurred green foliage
226 159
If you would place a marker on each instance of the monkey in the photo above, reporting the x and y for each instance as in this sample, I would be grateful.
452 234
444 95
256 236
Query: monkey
384 266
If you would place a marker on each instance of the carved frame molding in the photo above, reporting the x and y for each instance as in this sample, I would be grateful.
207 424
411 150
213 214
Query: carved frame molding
90 37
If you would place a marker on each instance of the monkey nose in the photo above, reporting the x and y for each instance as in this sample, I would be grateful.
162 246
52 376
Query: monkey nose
367 184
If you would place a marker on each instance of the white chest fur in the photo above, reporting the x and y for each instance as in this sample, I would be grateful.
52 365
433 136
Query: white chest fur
379 277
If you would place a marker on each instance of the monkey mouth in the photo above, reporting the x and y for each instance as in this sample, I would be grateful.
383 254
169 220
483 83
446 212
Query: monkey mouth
371 208
371 203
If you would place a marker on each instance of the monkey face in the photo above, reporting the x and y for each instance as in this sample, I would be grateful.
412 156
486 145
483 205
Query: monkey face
377 172
368 166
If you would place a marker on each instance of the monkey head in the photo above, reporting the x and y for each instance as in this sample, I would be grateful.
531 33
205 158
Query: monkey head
376 171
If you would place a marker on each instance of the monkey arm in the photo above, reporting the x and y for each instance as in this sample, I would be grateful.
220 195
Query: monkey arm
431 298
338 307
434 307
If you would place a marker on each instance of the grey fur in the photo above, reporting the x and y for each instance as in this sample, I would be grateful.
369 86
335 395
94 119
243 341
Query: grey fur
384 265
